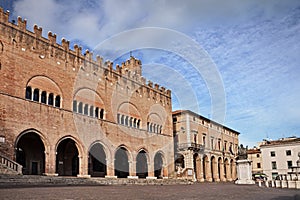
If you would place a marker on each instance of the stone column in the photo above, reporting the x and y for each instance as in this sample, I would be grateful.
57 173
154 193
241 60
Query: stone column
110 169
208 172
233 171
201 175
50 161
222 177
228 172
83 166
215 171
132 169
150 171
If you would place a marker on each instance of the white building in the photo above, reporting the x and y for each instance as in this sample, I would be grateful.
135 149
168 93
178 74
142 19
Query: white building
279 156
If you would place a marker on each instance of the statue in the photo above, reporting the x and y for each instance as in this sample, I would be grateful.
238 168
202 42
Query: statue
242 153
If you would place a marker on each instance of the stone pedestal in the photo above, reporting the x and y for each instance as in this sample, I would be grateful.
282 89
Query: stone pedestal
244 172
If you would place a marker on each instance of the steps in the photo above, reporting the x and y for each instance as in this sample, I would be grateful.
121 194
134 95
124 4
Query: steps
8 181
8 166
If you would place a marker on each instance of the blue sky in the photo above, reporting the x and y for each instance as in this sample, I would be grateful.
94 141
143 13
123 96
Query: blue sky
250 47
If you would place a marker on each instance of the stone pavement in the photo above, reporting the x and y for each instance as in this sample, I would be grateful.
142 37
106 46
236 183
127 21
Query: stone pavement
209 191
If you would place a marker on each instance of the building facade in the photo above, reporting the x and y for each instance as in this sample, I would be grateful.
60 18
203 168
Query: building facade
64 113
256 160
204 149
279 156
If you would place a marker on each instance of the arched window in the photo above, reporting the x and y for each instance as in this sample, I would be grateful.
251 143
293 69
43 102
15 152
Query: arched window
80 107
160 129
102 114
86 109
50 99
154 128
97 112
57 101
130 122
122 119
28 93
92 111
126 121
138 123
44 97
134 123
74 106
36 95
148 126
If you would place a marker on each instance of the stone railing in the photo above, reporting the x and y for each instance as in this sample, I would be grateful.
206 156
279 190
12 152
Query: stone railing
11 164
192 146
290 184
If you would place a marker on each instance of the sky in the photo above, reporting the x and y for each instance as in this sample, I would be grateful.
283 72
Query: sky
236 62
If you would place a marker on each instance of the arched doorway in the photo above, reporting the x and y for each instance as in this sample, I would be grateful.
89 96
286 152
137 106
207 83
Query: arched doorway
179 162
67 161
220 168
158 166
226 167
213 170
30 153
141 165
121 163
97 161
204 163
196 163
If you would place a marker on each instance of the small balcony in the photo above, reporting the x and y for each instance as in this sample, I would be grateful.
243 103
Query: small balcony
190 146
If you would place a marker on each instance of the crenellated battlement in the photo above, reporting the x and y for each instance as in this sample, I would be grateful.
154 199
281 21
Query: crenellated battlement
48 47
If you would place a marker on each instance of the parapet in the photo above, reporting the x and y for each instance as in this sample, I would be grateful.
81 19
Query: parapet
131 69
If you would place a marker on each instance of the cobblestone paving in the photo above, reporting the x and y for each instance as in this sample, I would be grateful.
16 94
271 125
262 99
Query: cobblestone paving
204 191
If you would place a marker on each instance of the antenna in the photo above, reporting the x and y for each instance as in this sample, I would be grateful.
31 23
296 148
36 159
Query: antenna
130 53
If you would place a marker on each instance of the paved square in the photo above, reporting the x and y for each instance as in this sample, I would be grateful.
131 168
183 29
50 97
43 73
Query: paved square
205 191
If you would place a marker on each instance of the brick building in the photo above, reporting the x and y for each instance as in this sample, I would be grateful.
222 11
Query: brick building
64 113
204 150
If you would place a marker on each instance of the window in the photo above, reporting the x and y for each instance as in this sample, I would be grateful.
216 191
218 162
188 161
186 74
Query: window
80 107
272 153
212 143
203 140
97 114
57 101
102 114
122 119
175 119
44 97
74 106
274 166
2 139
289 164
225 145
118 118
28 93
257 155
36 95
50 99
138 123
86 109
92 111
219 144
258 165
274 175
288 152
